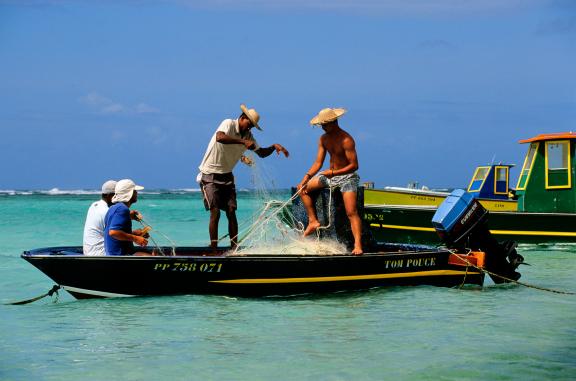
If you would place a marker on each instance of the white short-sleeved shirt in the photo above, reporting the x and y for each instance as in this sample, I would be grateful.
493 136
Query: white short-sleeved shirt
222 158
94 229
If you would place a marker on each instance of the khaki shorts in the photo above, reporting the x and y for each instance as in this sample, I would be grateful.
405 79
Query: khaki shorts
219 191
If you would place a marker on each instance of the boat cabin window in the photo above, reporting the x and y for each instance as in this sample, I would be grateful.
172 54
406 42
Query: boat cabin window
501 180
558 171
478 179
527 167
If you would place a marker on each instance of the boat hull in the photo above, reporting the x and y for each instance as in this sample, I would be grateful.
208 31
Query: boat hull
390 223
416 197
191 271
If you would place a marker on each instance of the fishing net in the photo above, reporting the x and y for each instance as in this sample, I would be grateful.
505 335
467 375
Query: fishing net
273 229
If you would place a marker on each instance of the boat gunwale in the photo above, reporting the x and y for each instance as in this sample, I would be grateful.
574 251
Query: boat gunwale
238 257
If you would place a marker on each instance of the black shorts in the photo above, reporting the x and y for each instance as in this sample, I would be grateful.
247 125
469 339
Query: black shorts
219 191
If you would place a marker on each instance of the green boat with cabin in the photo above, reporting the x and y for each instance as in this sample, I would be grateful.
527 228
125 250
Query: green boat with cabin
544 197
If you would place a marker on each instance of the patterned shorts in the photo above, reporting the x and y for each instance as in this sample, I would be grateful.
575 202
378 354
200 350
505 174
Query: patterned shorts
347 183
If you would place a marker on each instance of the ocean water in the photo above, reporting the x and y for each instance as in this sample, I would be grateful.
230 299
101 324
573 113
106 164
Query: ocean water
506 332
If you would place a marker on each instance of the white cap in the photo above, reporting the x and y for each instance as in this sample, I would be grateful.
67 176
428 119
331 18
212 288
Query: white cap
124 190
109 187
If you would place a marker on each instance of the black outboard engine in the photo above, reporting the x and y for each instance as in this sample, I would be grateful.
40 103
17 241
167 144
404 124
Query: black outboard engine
461 222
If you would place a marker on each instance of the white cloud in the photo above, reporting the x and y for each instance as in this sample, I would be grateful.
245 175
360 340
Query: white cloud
104 105
143 108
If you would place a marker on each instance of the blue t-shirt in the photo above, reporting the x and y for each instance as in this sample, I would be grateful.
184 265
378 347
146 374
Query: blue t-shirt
118 218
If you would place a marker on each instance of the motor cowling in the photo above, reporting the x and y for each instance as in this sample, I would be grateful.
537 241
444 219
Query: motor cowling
461 223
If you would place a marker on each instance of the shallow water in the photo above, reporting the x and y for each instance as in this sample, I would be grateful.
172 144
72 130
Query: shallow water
409 333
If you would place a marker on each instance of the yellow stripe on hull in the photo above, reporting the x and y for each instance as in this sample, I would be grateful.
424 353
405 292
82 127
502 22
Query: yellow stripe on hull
347 277
391 197
497 232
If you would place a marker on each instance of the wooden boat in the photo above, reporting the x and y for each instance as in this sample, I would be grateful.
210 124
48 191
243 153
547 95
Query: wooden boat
196 270
546 201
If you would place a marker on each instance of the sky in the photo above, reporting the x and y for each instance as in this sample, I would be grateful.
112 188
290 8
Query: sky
92 90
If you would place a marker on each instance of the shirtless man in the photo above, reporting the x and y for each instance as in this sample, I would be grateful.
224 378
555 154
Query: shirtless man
342 172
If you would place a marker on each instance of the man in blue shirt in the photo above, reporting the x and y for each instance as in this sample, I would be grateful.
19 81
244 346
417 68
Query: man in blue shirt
118 234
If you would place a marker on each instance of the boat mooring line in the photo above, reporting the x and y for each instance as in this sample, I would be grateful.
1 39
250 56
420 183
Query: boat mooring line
514 281
53 290
96 293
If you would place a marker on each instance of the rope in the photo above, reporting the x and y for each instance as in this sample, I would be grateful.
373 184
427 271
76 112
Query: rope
53 290
265 220
330 187
146 224
512 280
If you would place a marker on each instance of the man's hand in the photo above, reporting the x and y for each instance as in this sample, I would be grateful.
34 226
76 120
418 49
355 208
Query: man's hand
135 215
142 232
329 173
140 241
247 160
249 144
302 187
279 149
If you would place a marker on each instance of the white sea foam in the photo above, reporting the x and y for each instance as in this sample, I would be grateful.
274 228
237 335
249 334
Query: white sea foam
79 192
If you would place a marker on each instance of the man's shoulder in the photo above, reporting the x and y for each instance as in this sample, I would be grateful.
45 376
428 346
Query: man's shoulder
119 207
226 124
98 207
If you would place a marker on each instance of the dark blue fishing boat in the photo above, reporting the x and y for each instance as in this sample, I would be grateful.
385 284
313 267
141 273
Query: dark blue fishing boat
200 270
196 270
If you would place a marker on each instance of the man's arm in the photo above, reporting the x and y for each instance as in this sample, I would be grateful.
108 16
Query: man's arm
123 236
320 156
265 152
221 137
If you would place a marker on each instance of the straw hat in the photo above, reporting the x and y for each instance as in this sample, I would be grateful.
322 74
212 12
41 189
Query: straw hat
327 115
252 115
124 190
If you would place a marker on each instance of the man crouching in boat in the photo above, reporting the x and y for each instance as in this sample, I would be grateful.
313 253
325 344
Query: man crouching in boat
342 172
225 149
118 233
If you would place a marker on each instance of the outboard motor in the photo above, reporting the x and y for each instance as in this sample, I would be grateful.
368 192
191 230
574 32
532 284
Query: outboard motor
461 222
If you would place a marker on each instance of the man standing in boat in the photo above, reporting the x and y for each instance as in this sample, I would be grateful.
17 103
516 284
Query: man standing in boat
227 146
342 172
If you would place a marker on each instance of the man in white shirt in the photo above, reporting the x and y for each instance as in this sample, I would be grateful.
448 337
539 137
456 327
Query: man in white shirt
94 226
225 149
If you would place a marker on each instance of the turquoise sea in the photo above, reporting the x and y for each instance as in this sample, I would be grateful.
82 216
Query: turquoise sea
507 332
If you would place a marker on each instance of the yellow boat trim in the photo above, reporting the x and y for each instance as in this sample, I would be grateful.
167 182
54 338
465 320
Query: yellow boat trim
533 232
347 277
404 227
501 232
